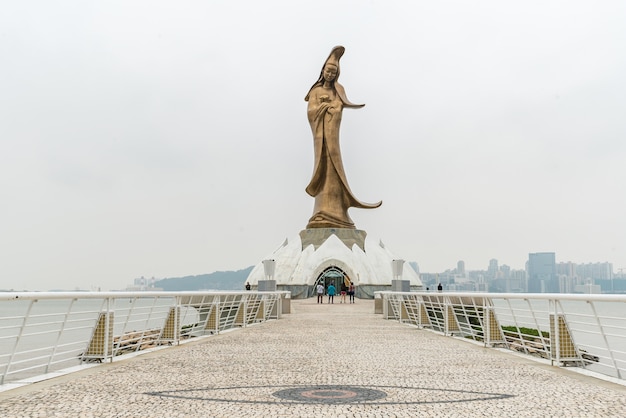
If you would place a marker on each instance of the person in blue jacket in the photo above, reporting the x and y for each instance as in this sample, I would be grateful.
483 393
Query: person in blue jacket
331 293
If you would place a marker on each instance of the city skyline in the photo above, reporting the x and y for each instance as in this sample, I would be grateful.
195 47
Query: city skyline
486 268
542 274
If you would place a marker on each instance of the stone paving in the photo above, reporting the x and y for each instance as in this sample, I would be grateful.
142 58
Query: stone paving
338 360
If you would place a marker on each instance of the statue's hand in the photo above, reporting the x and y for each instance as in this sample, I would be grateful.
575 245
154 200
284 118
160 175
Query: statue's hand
322 109
334 109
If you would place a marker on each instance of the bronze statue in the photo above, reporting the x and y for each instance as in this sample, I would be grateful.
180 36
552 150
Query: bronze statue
329 185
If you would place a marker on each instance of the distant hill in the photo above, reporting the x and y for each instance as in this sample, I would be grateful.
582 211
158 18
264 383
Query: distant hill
219 280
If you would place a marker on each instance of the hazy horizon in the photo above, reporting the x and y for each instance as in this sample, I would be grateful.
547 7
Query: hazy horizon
170 139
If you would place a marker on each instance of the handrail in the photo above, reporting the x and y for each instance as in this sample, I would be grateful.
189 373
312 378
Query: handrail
44 332
121 294
538 296
575 330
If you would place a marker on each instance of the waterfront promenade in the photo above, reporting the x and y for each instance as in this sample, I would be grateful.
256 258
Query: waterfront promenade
339 360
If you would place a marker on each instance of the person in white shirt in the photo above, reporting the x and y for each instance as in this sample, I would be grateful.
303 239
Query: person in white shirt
320 293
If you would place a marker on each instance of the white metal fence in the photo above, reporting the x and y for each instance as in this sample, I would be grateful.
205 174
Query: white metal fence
42 333
587 331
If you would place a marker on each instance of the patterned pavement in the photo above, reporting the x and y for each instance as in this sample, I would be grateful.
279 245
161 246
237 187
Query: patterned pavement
337 360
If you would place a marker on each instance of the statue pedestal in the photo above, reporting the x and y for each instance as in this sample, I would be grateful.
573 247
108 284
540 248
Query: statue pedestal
400 286
266 286
317 236
301 261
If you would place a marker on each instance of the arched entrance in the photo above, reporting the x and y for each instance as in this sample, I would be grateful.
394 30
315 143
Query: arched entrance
334 275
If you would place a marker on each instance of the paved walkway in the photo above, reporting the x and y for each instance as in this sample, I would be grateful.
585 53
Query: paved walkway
337 360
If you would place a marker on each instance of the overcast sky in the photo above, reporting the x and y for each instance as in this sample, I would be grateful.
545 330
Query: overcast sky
162 138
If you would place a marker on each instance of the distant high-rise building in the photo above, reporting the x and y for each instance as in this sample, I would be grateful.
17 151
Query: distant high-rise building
460 267
566 269
572 275
542 273
517 282
595 271
481 286
492 270
505 271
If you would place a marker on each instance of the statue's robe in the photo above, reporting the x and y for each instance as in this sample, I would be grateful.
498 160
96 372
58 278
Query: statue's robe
329 185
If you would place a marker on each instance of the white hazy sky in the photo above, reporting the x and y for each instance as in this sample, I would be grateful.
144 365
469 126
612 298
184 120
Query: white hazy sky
162 138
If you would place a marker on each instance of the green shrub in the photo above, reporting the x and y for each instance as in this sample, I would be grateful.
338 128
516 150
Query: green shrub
526 331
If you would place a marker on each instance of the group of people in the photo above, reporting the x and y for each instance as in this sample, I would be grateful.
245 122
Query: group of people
332 290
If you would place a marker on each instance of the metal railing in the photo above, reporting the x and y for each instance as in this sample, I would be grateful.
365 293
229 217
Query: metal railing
41 333
587 331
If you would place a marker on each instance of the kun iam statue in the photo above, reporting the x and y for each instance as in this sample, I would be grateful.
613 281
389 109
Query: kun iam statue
329 186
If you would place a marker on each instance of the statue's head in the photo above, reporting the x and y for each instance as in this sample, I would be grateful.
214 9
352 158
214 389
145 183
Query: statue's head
330 72
331 65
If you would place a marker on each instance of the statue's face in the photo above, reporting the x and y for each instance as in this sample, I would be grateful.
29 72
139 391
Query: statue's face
330 72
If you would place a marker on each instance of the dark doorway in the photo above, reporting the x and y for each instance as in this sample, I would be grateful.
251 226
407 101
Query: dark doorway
333 275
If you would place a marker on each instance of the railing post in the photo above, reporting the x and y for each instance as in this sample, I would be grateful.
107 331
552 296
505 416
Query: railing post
177 319
278 306
491 326
424 320
565 346
285 300
555 343
450 321
260 310
404 313
240 315
171 328
446 319
213 319
385 308
109 336
100 346
486 322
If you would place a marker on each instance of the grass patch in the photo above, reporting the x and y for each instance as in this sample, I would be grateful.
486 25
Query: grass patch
526 331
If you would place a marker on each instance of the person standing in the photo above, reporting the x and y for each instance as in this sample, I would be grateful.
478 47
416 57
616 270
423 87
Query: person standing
344 290
331 293
320 293
439 287
248 286
351 292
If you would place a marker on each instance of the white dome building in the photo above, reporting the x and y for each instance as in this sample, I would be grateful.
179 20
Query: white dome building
333 255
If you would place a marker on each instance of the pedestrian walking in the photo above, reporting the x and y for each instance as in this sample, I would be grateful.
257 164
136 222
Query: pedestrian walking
331 293
351 292
320 293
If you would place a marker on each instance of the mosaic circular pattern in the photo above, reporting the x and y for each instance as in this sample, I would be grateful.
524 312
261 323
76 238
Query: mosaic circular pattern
330 394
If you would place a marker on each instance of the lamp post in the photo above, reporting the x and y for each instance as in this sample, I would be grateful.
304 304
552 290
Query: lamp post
268 267
396 267
397 284
269 284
